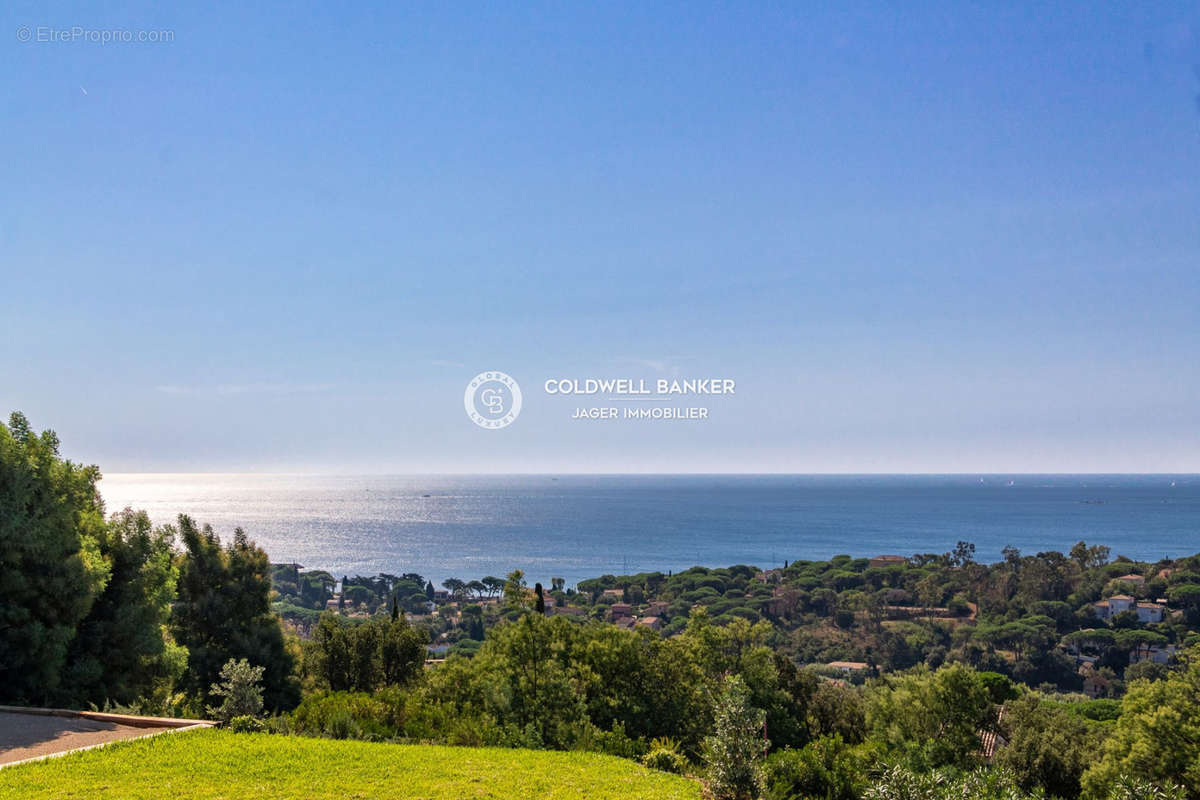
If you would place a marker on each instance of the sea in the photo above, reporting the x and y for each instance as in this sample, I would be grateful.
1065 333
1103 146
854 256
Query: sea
583 526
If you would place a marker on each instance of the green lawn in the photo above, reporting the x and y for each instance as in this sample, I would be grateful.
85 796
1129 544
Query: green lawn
216 764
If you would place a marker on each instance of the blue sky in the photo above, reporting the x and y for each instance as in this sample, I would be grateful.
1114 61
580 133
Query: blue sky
954 238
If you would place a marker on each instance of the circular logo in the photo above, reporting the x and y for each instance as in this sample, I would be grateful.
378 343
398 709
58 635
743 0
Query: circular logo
492 400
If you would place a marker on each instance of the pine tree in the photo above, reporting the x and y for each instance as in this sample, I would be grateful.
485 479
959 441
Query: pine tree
52 567
223 612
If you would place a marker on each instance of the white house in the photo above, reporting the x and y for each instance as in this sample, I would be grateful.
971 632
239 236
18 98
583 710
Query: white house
1159 654
1107 609
1150 612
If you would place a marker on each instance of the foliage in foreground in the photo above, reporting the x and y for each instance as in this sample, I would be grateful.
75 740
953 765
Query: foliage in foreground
216 764
736 745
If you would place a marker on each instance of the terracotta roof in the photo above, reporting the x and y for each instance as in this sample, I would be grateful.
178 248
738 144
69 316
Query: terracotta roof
990 740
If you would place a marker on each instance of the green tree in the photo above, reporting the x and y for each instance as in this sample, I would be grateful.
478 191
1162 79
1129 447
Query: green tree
737 745
531 653
347 656
932 719
401 652
223 612
494 585
514 591
1157 736
51 564
1048 747
122 652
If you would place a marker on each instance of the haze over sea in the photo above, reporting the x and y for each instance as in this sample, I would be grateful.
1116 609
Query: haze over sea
581 526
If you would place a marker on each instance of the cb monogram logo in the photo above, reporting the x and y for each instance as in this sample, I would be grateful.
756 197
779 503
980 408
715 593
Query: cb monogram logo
492 400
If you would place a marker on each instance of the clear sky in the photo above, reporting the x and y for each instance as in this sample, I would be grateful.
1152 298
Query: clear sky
920 237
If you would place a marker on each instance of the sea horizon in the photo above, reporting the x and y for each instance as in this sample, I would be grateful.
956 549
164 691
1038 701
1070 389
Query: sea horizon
578 526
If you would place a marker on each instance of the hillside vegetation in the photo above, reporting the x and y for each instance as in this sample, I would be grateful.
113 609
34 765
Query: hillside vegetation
214 765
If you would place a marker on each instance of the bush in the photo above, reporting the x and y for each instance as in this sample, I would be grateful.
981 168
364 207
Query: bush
240 691
350 715
245 724
823 769
664 755
897 783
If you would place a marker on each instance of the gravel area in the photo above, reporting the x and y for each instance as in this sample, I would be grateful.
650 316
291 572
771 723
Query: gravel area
25 736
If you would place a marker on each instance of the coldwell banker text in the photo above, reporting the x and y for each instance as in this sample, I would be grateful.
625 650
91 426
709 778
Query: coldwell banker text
638 386
640 389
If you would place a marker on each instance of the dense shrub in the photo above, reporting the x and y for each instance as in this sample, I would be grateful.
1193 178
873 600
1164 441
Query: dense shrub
825 769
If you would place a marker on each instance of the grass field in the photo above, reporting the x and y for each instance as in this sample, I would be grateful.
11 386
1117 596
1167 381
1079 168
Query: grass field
215 764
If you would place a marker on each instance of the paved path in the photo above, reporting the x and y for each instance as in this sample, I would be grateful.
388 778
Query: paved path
25 736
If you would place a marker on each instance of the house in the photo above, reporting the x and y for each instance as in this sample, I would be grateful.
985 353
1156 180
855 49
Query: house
620 611
616 594
1107 609
848 666
626 623
658 608
1095 684
566 611
1133 579
654 623
887 561
1150 612
770 576
332 603
1159 654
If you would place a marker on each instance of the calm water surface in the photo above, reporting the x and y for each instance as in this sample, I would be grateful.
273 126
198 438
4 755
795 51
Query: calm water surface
583 526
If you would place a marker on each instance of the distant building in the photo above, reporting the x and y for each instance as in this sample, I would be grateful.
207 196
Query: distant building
769 576
620 611
653 623
1107 609
887 561
1150 612
1132 578
1159 654
990 740
614 593
848 666
566 611
1094 684
657 608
